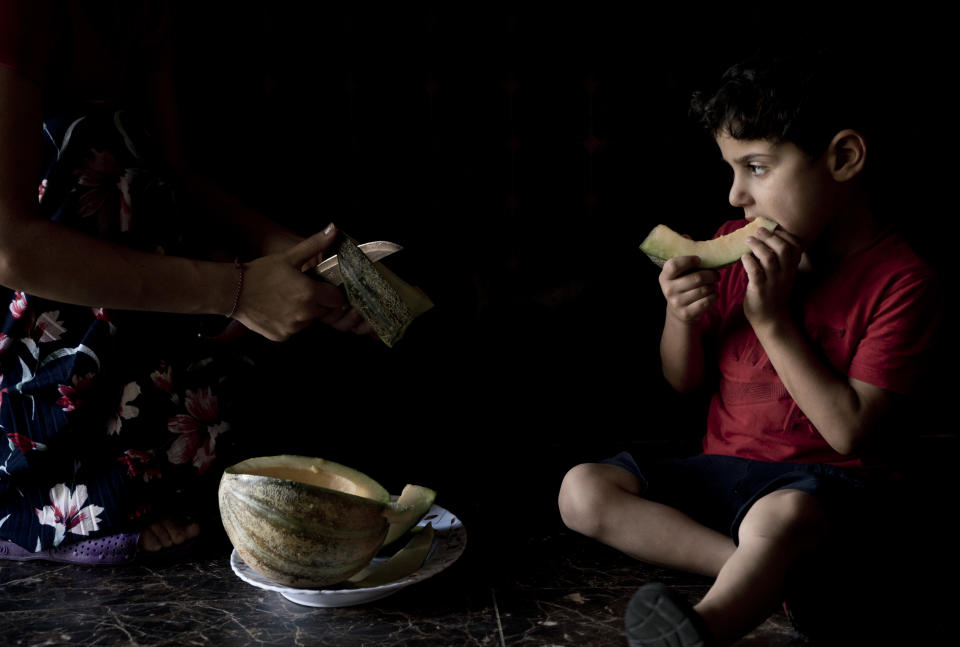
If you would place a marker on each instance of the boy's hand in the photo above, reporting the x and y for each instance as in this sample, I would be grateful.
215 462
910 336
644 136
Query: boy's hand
688 292
771 269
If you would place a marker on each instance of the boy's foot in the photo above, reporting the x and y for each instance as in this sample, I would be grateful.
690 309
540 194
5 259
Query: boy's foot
658 617
165 534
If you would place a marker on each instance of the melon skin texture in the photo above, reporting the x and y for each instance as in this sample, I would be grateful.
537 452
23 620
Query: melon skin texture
304 522
663 243
385 300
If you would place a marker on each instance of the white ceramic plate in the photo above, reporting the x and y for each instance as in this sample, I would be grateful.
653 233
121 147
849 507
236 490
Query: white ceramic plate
448 544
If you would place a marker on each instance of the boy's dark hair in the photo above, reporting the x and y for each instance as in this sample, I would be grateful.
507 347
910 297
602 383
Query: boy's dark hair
804 98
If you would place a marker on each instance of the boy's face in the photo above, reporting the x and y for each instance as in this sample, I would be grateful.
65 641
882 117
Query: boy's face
779 182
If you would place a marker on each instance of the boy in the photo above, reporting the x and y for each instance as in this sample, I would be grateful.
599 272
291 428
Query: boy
817 333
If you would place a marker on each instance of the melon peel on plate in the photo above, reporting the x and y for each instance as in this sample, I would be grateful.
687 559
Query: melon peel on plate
663 243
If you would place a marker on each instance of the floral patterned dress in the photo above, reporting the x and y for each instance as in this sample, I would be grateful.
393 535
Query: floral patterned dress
107 418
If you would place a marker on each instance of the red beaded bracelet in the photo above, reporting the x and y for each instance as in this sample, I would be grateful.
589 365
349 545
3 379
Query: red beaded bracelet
236 297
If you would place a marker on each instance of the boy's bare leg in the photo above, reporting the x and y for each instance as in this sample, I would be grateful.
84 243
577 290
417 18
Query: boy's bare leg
602 501
777 529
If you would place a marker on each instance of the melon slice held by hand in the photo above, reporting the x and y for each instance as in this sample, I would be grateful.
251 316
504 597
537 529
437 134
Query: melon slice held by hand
663 243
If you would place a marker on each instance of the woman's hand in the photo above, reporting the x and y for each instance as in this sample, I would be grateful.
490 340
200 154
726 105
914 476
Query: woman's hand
771 270
688 293
278 299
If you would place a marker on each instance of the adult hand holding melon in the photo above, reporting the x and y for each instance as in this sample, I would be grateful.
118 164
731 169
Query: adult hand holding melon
276 300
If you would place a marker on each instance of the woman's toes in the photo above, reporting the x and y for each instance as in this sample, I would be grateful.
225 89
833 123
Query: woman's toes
149 541
165 534
192 530
174 531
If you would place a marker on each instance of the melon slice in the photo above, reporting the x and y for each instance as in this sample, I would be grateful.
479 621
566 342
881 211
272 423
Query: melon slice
403 563
387 302
663 244
413 503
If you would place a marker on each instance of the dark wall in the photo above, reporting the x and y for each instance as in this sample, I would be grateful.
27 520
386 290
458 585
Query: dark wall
520 157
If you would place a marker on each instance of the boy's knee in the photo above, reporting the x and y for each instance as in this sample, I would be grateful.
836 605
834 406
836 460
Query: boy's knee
580 497
786 516
586 491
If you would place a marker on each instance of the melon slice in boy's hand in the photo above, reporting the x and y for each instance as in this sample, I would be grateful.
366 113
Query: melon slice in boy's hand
663 244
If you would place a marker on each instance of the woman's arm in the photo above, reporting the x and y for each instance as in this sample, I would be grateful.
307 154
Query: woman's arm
55 262
59 263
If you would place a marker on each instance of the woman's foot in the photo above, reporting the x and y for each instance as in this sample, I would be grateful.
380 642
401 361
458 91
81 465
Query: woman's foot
166 533
120 548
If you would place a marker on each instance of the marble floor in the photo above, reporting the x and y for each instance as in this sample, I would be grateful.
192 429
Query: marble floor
534 584
573 593
552 588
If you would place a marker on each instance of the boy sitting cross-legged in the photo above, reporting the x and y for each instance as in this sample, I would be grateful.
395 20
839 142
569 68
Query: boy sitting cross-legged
816 334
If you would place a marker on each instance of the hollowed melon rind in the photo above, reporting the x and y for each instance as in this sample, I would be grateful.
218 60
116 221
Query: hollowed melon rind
297 532
663 243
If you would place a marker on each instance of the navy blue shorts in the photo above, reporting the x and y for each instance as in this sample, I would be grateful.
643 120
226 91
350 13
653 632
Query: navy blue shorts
717 491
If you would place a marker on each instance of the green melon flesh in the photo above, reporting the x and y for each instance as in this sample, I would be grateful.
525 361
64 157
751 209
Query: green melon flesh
663 244
414 502
403 563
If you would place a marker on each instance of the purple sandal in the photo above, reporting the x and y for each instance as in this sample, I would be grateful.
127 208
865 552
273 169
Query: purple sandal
112 549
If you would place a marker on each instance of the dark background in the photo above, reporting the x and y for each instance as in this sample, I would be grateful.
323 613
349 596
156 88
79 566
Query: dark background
519 157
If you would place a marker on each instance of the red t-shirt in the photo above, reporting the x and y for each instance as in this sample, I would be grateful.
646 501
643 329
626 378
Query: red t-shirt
871 318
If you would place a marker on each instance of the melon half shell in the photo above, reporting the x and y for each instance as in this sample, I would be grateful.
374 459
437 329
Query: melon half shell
306 522
663 243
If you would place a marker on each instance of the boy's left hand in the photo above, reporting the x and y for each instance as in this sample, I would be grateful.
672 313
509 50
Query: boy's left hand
771 269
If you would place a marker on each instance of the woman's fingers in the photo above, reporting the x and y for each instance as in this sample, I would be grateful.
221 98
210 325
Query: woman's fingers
278 300
309 252
326 295
350 320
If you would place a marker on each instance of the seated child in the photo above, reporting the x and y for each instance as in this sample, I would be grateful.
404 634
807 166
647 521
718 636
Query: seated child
818 333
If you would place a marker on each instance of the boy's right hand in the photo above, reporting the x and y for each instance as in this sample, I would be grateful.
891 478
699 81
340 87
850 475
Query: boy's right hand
688 291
